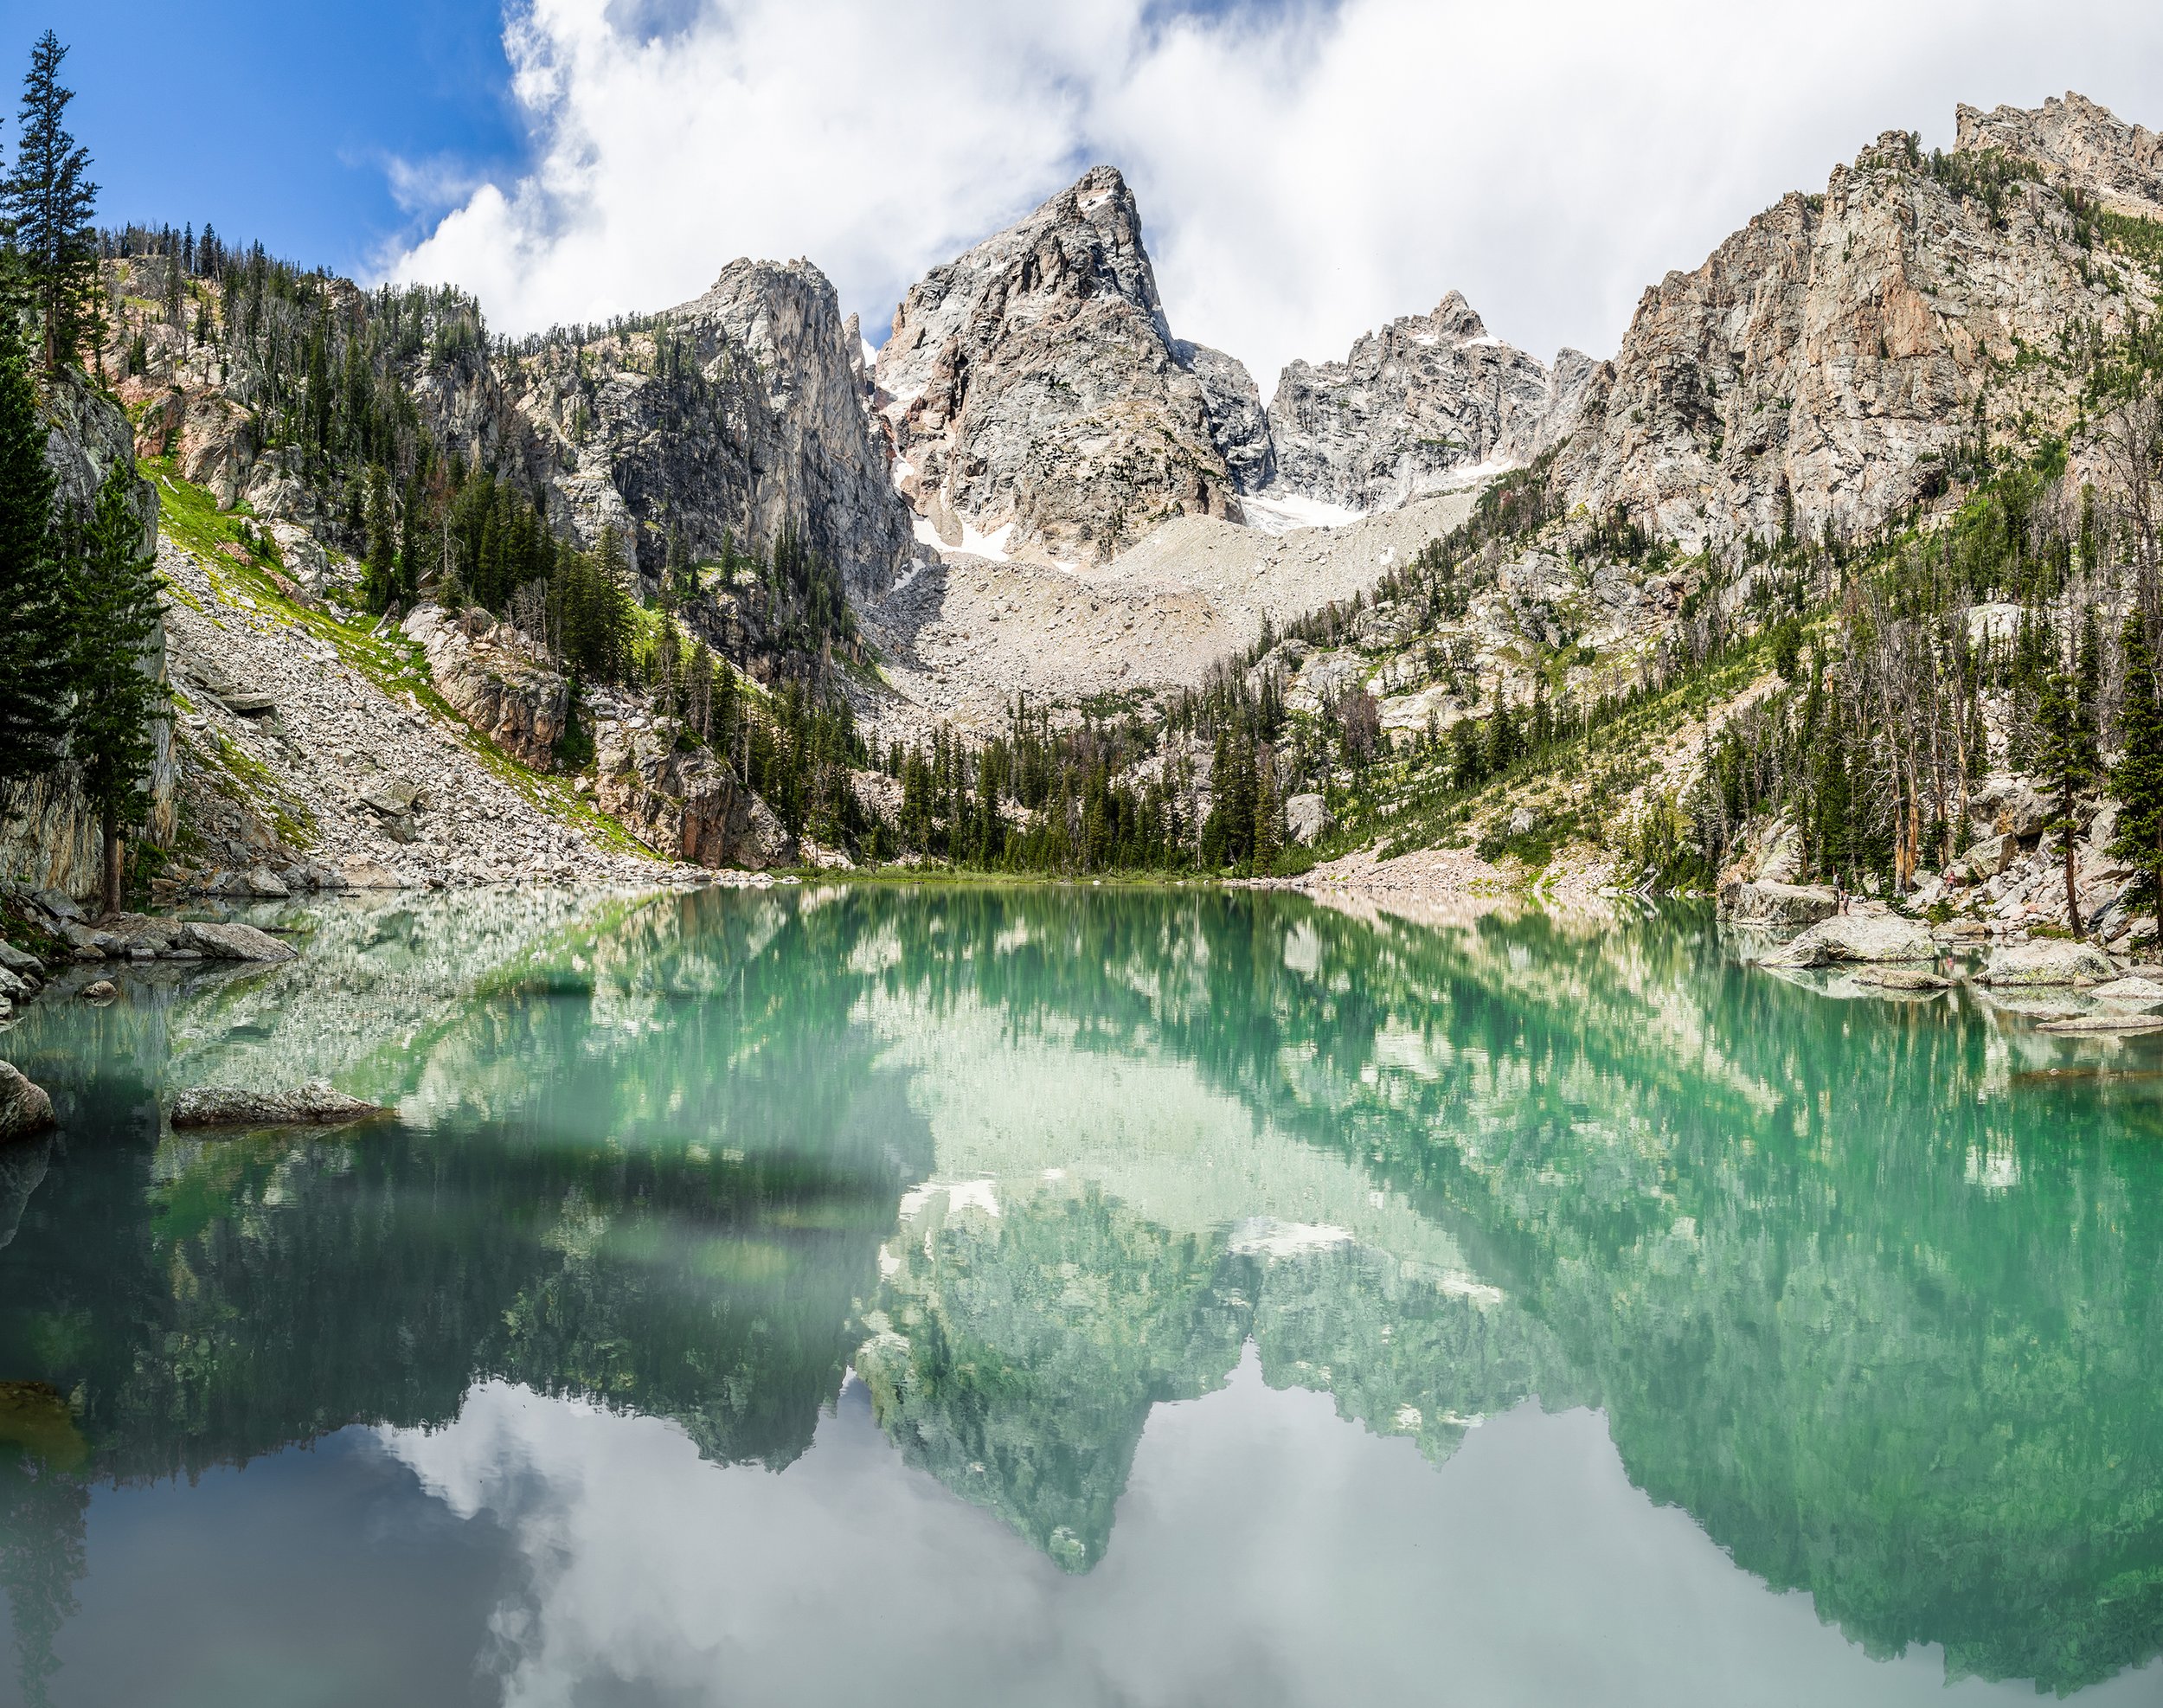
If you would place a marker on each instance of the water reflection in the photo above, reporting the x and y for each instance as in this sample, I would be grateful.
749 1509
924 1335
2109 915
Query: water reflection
1866 1288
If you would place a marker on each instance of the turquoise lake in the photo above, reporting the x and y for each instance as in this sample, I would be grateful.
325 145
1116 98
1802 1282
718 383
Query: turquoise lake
860 1294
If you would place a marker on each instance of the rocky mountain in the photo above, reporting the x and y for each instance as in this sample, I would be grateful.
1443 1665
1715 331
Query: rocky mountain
739 416
1823 364
740 413
1416 408
1035 397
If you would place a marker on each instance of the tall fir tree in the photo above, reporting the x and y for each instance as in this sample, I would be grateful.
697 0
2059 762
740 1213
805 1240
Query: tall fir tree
2137 779
111 734
49 201
379 580
34 624
2067 759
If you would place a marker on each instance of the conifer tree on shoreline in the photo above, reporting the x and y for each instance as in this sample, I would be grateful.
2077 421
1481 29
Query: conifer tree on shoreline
116 614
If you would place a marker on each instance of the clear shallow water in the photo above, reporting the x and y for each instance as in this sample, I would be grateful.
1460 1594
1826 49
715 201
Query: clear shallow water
1077 1297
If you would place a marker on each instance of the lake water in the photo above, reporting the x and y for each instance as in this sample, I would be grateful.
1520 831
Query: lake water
1076 1296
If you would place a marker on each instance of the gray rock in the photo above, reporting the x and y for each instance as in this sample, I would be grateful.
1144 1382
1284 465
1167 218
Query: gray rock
1411 407
1033 383
1987 856
231 941
1856 937
249 704
100 990
2046 961
20 960
393 797
24 1107
57 905
317 1102
1903 978
1306 819
262 881
1777 906
2105 1022
2130 989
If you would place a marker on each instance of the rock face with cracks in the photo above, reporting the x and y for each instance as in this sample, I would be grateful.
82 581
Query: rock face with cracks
1037 397
1416 406
24 1107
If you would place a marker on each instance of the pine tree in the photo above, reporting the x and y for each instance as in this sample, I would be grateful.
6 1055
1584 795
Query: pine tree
379 580
116 613
50 202
2137 779
34 626
2066 757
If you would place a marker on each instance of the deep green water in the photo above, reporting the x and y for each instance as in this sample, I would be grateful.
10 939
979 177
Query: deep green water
1077 1296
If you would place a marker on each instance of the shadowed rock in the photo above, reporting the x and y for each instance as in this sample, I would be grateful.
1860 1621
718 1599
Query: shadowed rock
24 1107
316 1101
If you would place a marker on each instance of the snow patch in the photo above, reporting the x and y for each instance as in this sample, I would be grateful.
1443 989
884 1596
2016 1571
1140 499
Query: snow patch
1287 511
991 546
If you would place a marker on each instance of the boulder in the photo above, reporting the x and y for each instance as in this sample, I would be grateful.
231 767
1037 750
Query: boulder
1777 905
1902 978
2046 961
2009 806
1856 937
1306 819
316 1102
393 797
19 961
262 881
101 989
231 941
24 1107
1988 857
360 874
2130 989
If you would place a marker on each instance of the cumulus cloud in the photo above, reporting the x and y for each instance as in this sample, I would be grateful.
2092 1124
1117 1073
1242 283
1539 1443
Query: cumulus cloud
1307 168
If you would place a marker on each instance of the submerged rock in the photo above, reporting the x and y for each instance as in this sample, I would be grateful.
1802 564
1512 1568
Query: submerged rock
2105 1022
237 1106
24 1107
2047 960
231 941
1903 978
1846 937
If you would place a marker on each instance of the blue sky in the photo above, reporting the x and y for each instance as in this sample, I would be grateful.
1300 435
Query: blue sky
275 121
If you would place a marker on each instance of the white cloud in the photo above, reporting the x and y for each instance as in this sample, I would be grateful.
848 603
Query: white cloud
1304 171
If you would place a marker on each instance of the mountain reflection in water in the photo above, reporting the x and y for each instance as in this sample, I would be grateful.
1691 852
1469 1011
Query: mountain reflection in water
1049 1186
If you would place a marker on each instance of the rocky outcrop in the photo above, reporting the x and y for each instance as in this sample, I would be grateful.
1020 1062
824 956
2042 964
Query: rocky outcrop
480 667
316 1103
1239 425
1036 396
24 1107
737 417
684 801
2079 146
1414 407
1822 362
